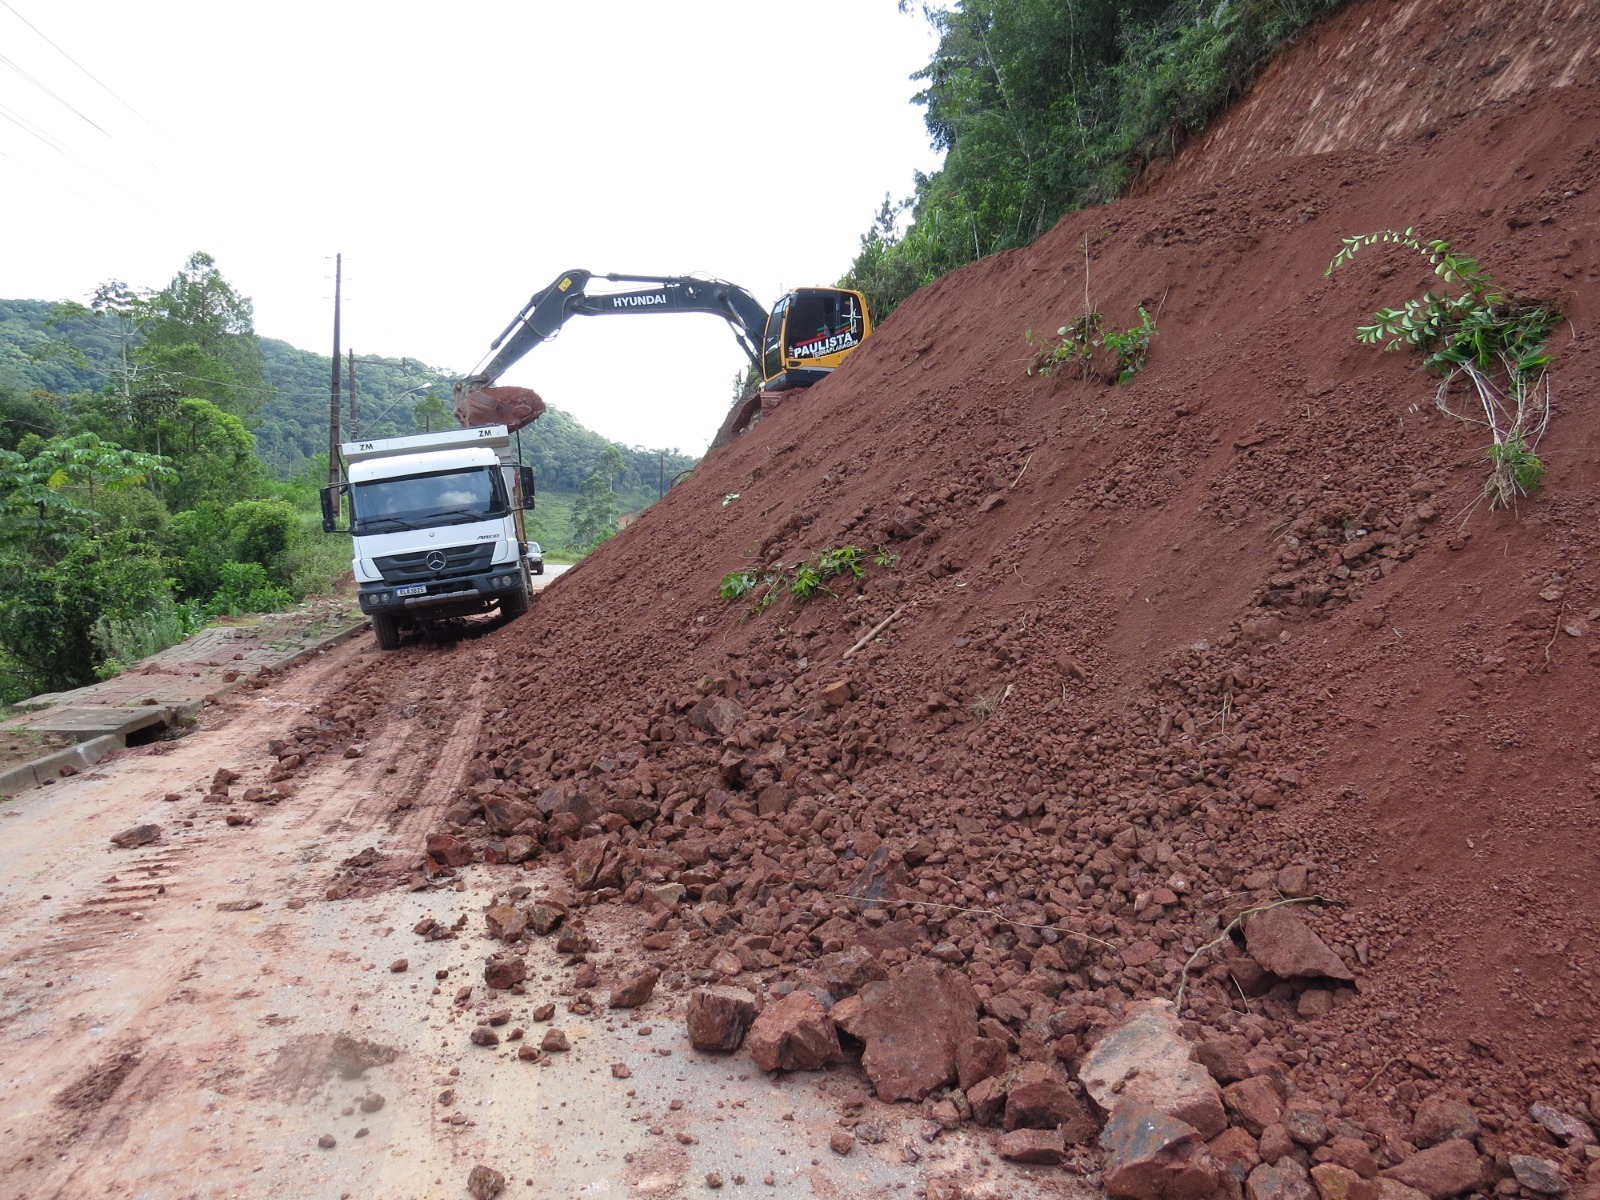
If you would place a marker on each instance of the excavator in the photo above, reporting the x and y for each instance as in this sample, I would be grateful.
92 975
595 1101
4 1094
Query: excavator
808 333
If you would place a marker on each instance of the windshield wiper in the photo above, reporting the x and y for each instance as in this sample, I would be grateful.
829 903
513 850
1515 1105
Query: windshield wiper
472 514
368 523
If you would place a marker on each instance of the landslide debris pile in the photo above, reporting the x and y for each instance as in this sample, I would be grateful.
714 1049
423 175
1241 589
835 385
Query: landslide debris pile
1212 713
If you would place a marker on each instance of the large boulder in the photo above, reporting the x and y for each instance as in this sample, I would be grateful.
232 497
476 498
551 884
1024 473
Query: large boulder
719 1017
1152 1156
1037 1097
1146 1059
913 1024
1448 1169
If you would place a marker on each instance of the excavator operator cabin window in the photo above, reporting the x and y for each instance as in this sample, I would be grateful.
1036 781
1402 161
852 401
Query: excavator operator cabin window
772 342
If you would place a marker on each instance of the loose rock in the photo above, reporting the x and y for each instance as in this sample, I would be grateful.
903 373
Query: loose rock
1146 1059
1152 1156
1032 1146
794 1035
1285 945
1538 1174
1448 1169
635 991
485 1183
912 1024
720 1017
139 835
1287 1180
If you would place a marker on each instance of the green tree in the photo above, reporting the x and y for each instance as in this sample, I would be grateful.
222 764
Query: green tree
612 465
1043 106
199 340
51 608
432 413
594 513
262 532
36 414
63 566
214 453
47 490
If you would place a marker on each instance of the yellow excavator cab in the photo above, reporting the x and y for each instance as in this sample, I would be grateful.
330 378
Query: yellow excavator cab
809 333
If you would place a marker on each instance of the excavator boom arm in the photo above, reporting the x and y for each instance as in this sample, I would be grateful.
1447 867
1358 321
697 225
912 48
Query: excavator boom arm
803 338
549 309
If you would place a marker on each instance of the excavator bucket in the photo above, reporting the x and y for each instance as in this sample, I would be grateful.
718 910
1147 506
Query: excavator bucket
513 407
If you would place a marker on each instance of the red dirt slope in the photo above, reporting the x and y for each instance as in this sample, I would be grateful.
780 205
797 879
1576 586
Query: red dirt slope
1158 642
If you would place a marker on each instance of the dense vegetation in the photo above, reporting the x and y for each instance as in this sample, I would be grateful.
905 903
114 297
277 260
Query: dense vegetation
1045 106
159 466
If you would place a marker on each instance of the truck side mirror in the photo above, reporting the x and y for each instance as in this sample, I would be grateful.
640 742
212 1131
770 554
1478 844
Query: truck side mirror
330 507
525 481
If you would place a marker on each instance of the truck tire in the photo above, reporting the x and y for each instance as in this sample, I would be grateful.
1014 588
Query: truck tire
386 628
514 604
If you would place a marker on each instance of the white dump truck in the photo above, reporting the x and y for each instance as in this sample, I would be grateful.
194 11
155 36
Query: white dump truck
437 521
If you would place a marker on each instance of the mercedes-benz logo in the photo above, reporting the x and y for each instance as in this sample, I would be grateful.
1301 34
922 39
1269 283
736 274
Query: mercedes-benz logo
435 561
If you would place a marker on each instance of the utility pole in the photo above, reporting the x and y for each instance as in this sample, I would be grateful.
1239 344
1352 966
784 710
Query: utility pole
333 400
355 417
661 473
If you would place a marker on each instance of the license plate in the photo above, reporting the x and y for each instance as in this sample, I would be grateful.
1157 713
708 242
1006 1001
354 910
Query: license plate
416 589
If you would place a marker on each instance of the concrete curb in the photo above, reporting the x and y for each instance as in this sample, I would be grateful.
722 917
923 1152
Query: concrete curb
14 780
29 775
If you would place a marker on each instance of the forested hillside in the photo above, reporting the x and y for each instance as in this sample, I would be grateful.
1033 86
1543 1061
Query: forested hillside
1046 106
44 347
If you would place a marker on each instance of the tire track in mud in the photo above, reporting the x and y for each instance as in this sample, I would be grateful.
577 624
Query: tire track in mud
144 999
433 781
87 1035
387 798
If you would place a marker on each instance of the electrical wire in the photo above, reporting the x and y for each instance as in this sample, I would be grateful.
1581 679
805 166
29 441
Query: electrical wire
26 126
64 103
95 79
52 182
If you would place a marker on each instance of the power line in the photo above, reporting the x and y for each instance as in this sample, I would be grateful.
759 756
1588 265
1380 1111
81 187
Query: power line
64 104
27 127
75 63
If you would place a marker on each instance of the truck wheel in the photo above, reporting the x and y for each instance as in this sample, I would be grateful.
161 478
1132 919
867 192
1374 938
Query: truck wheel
514 604
386 628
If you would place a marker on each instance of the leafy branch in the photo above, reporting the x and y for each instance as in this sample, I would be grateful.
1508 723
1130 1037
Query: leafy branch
1488 350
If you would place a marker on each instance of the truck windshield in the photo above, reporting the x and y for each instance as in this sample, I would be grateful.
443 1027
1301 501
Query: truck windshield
420 501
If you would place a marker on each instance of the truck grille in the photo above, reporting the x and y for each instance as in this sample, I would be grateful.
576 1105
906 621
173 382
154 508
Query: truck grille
414 567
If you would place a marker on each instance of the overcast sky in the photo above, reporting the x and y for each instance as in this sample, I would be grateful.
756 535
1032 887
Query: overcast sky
460 157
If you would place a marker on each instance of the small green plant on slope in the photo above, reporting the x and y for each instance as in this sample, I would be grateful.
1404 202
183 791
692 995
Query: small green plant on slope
771 585
805 580
1074 348
736 584
1132 347
833 563
1483 346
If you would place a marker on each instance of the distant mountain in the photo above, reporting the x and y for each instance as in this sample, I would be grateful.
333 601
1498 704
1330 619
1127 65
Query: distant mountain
393 398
